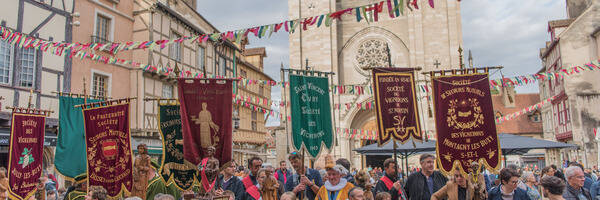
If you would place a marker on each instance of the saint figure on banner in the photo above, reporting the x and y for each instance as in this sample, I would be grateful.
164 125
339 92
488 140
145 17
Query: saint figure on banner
204 119
141 176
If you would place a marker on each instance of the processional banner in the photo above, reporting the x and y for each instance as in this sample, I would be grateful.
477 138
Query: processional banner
70 158
25 154
311 113
109 157
466 131
396 103
174 169
206 114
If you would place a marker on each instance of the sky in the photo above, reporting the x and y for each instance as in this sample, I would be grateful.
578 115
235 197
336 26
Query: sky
507 32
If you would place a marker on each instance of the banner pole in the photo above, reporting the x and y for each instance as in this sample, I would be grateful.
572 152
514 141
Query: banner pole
285 109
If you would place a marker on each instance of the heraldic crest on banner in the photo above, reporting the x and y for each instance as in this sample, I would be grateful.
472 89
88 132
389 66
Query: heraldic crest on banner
465 122
108 146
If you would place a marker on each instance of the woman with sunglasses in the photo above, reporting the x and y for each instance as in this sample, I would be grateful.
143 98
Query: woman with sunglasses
456 189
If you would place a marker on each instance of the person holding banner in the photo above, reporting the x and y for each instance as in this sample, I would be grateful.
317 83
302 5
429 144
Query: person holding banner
306 182
389 182
421 185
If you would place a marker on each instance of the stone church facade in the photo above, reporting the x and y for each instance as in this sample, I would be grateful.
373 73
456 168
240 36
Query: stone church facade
428 38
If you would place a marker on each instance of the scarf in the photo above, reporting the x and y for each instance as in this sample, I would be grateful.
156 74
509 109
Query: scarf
337 187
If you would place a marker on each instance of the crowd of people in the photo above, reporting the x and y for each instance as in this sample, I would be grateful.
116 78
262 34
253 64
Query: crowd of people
263 182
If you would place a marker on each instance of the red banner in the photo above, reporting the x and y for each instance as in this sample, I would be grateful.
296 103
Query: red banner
107 139
206 107
396 103
466 131
25 154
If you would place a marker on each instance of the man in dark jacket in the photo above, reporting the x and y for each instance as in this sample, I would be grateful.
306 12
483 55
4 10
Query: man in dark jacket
389 182
421 185
508 188
282 174
231 182
306 182
575 181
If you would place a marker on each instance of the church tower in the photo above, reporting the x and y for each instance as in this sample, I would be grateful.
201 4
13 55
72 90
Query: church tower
426 37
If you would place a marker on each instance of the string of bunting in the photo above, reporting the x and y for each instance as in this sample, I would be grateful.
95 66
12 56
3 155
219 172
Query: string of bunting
24 41
524 110
370 13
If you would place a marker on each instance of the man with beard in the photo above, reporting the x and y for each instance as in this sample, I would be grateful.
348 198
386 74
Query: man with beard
421 185
335 187
230 182
389 182
306 182
250 182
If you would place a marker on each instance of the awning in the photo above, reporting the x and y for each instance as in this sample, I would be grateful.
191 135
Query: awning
510 145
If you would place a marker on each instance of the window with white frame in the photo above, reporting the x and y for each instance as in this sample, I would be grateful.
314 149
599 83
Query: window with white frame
27 67
175 48
100 85
167 91
102 29
5 62
201 58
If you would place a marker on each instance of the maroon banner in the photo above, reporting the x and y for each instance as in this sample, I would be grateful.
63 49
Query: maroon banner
396 104
206 107
466 131
25 154
108 146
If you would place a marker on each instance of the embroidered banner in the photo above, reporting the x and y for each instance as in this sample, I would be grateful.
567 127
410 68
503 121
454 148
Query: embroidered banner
25 154
69 158
206 113
396 103
108 145
173 167
311 111
466 131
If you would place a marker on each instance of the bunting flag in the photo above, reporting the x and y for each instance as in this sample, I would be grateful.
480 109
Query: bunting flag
109 156
372 11
206 112
396 103
25 154
311 110
465 126
173 168
70 159
526 110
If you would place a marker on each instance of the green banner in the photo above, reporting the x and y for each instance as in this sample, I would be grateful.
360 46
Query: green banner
70 159
311 113
173 168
